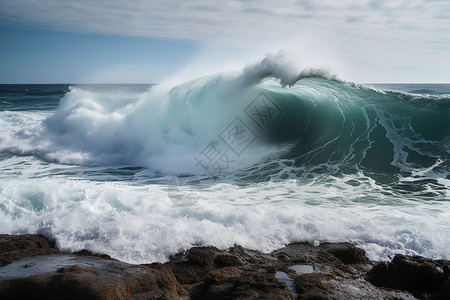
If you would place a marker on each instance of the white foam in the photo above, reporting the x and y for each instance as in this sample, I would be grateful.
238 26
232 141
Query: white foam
163 129
81 205
138 223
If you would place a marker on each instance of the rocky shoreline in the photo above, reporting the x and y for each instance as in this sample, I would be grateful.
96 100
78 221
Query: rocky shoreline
31 267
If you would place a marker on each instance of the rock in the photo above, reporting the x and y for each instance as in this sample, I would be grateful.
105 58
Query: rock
336 258
32 267
444 294
420 276
85 252
15 247
225 260
312 286
64 276
347 253
241 283
210 273
192 266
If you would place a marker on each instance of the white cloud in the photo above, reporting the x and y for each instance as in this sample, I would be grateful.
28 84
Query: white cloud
389 31
203 19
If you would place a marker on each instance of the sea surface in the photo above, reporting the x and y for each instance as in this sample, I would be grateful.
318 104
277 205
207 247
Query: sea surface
141 172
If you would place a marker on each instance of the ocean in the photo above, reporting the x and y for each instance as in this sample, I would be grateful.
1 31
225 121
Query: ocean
142 172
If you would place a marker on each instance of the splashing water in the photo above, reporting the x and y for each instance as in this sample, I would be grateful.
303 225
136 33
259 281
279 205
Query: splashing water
282 156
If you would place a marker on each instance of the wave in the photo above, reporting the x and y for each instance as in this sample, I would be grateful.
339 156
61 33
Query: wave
219 124
283 155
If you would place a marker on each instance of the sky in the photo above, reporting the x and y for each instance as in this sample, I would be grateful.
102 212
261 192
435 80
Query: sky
149 41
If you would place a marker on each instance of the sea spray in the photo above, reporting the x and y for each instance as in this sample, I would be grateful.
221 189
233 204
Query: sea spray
321 160
326 124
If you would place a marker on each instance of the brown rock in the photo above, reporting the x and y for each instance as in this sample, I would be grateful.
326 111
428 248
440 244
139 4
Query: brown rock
312 286
348 254
86 277
418 275
192 266
241 283
34 268
15 247
225 260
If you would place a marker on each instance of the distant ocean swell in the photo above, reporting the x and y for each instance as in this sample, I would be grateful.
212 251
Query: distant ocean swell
278 156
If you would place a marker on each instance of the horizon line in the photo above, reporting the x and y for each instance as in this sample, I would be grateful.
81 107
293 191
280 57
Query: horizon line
146 83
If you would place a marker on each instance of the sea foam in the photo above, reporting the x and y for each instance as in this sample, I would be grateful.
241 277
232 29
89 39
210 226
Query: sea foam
320 160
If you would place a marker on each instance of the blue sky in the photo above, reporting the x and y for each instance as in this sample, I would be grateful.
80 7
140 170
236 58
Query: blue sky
52 41
39 56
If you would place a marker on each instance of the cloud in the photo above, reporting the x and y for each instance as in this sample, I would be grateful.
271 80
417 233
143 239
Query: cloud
204 19
388 31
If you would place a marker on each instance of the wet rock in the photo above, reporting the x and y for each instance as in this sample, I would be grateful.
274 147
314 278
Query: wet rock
15 247
63 276
34 268
85 252
444 294
328 286
312 286
192 266
347 253
225 260
241 283
335 258
420 276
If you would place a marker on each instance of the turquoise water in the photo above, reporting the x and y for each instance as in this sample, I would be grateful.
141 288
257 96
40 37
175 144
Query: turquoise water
141 172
